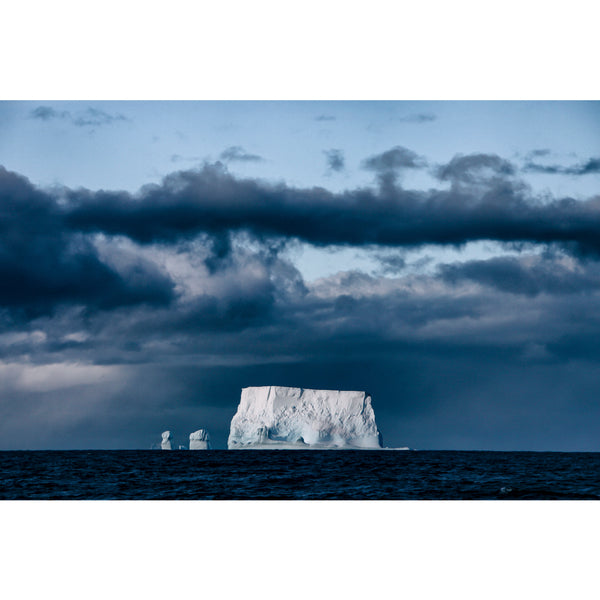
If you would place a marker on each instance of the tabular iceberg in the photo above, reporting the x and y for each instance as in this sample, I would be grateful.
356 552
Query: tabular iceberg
167 438
200 440
295 418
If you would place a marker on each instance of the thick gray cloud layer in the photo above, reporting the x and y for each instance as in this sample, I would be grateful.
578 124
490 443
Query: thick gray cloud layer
210 200
43 264
125 314
509 274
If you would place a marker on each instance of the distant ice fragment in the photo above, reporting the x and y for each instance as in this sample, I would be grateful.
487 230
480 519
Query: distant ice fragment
200 440
297 418
167 439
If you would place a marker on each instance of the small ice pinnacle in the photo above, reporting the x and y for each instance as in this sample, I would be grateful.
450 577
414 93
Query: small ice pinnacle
167 438
200 440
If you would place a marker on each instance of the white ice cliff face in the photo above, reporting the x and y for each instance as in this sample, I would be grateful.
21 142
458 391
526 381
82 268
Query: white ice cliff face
167 439
295 418
200 440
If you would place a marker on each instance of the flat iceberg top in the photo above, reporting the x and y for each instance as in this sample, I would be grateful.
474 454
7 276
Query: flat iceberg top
277 416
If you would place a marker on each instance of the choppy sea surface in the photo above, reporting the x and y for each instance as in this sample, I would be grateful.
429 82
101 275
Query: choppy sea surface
296 474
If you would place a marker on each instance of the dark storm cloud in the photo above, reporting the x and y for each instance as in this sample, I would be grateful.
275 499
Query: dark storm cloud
42 264
48 257
418 118
394 159
91 117
213 201
335 160
589 167
47 252
237 153
473 168
513 275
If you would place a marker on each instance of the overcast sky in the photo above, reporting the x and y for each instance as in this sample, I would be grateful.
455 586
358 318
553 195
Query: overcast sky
156 257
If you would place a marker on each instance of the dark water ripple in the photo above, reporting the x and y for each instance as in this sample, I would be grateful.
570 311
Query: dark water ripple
309 475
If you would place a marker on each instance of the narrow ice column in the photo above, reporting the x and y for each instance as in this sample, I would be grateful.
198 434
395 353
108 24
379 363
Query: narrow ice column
167 439
200 440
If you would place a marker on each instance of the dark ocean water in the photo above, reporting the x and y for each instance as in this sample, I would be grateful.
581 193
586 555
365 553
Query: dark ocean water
309 475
